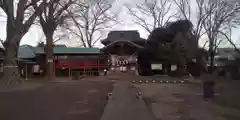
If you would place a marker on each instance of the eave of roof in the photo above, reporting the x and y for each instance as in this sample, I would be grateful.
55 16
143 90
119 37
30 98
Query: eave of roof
122 41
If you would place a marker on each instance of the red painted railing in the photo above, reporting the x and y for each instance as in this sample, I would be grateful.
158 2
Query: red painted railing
80 64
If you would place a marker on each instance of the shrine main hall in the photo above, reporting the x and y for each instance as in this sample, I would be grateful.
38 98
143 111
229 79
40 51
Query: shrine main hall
122 48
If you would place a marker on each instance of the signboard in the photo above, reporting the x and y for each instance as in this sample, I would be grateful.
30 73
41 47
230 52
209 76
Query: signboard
173 67
36 68
156 66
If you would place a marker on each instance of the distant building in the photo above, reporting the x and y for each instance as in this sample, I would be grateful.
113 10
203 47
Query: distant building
223 55
122 46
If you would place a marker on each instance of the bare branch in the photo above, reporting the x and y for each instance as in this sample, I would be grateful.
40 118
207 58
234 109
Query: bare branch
57 13
221 13
230 41
197 19
205 44
90 19
20 11
152 14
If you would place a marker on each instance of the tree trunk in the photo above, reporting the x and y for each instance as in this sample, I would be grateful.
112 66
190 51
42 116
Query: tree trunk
11 72
49 58
211 53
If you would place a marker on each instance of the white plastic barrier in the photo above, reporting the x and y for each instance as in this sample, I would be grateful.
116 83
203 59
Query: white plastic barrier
112 69
133 68
121 69
124 69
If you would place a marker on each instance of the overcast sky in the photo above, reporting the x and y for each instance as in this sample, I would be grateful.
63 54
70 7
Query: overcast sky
35 34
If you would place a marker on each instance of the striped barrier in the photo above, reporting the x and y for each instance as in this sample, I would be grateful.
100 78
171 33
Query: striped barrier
161 81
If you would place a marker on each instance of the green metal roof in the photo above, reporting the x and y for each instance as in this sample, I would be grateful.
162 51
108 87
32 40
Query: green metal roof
38 50
69 50
25 51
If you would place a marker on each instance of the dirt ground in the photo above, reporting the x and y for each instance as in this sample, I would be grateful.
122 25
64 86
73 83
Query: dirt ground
81 100
185 101
226 103
85 99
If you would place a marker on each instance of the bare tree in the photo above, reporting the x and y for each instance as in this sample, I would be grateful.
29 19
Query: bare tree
60 34
40 44
221 14
90 20
18 24
230 41
197 17
213 19
53 16
152 13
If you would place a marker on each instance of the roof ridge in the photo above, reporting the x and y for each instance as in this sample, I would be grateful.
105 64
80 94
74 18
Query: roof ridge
29 46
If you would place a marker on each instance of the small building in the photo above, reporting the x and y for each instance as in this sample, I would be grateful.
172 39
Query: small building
123 46
66 60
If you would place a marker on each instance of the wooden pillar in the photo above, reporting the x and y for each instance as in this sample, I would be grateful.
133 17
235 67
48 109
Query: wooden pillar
121 49
69 72
84 67
54 68
98 65
26 71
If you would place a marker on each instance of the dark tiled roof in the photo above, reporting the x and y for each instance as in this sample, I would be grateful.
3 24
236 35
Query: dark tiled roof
225 52
131 35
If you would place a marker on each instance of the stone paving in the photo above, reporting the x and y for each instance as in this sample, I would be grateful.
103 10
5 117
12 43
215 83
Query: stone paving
124 105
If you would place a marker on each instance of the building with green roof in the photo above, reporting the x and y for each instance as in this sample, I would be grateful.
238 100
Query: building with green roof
27 51
66 59
123 47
